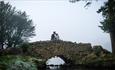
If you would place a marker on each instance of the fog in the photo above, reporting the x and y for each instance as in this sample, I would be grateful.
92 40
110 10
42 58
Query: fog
72 21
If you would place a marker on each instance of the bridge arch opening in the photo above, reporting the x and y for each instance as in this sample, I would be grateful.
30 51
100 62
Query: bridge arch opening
56 61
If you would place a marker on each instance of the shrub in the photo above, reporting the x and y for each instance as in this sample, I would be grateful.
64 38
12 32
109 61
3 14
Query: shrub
97 49
21 65
13 62
25 47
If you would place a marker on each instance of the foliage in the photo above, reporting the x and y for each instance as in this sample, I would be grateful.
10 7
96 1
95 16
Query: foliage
21 65
108 23
15 26
97 49
92 59
88 2
13 62
108 11
25 47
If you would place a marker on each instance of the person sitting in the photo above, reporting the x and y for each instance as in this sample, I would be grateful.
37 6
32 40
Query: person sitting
54 36
57 36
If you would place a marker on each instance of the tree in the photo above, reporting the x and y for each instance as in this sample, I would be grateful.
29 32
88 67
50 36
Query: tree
15 26
5 12
108 23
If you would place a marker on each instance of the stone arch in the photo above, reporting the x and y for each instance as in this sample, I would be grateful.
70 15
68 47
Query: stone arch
67 61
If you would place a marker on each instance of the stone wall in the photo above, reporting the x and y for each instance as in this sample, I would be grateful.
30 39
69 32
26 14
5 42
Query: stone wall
70 50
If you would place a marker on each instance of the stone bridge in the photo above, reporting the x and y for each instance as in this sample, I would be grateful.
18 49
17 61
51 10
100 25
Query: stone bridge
69 51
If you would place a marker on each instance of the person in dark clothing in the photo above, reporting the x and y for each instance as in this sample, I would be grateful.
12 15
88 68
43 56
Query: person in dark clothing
54 36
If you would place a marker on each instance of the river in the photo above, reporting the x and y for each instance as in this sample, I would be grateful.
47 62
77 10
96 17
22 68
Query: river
75 68
56 63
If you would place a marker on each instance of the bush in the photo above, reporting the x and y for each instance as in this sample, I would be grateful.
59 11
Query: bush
21 65
97 49
13 62
25 47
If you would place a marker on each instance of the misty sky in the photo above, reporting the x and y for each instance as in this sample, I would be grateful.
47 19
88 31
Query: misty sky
71 21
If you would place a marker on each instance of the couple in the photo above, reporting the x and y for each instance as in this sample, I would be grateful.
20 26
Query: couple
54 36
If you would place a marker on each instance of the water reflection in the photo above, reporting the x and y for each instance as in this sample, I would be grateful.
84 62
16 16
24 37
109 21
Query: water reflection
53 67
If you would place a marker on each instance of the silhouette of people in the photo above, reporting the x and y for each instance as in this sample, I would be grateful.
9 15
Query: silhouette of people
54 36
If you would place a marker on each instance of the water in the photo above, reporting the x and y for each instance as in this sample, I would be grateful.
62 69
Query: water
75 68
56 63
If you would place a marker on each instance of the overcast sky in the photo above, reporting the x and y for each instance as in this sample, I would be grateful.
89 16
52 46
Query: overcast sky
71 21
